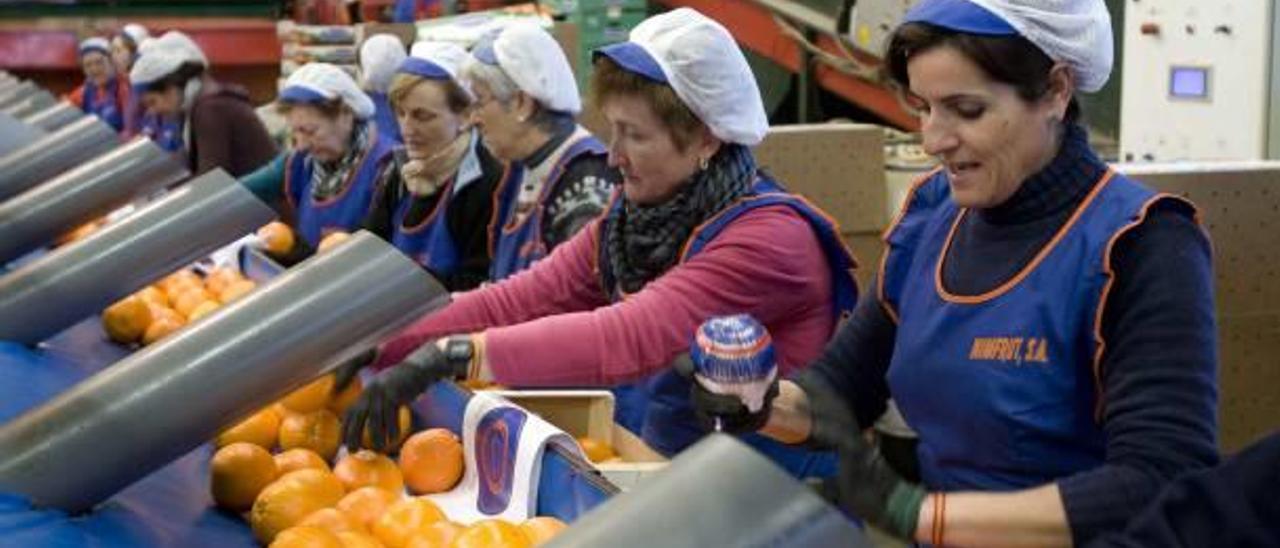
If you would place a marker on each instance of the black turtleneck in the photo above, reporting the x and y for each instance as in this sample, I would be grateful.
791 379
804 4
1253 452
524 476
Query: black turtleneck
1159 370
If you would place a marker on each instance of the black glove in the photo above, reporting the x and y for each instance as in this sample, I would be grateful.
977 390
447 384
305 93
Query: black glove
379 404
347 371
733 415
871 490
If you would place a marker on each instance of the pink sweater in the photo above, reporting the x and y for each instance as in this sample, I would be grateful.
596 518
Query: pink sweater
553 325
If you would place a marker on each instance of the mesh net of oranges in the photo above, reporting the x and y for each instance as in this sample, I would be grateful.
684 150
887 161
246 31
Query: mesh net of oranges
275 469
164 307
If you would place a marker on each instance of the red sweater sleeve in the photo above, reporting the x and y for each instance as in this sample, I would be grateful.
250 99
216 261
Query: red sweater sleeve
565 281
76 97
767 263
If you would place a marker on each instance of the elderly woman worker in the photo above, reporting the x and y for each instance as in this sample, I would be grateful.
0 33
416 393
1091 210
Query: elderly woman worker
220 129
698 231
437 204
526 99
104 93
326 183
380 57
1045 324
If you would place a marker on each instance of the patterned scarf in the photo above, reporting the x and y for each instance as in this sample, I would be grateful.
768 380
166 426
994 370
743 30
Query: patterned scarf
642 243
327 178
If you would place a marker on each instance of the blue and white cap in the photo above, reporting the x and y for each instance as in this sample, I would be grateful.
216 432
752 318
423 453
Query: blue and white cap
316 83
1075 32
702 63
434 60
535 62
97 43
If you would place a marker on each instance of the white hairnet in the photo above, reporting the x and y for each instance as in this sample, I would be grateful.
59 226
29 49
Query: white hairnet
318 82
700 60
1075 32
435 60
535 62
135 33
160 57
179 43
380 56
97 44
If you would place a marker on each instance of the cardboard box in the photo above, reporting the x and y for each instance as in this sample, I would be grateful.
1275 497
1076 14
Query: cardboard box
589 413
837 166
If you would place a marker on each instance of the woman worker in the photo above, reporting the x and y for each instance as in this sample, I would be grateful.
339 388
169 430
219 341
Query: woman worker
380 56
1045 324
124 51
526 98
437 204
220 127
326 183
104 93
697 231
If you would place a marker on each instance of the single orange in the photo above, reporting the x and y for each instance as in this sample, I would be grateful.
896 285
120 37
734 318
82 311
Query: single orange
261 429
159 312
78 233
431 461
160 328
404 519
366 468
127 320
188 300
277 238
236 290
203 309
332 520
439 534
180 276
290 499
238 473
318 431
541 529
153 296
299 459
492 533
338 403
405 421
306 536
221 277
331 241
596 450
352 539
312 397
366 504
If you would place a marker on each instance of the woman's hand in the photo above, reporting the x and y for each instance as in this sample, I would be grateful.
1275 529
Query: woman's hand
724 412
399 385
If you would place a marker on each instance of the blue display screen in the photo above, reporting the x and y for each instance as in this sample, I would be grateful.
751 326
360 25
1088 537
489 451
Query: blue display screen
1189 82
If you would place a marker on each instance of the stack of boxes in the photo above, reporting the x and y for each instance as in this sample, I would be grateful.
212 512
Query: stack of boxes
302 44
599 23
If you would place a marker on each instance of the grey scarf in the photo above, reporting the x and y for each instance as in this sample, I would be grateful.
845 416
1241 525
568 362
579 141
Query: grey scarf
642 243
327 178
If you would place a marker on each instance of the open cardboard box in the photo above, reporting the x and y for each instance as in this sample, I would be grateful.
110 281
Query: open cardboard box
589 413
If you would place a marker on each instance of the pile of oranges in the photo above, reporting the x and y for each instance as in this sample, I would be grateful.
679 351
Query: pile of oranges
164 307
294 498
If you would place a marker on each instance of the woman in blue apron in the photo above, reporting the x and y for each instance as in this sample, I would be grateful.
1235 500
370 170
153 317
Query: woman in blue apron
124 51
326 183
698 231
380 57
1043 323
105 93
526 100
434 201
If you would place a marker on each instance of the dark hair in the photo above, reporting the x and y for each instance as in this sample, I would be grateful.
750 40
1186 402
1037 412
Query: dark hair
610 80
1011 60
178 78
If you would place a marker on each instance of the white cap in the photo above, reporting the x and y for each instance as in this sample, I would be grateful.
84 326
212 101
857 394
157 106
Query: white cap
380 56
535 62
135 33
699 59
183 44
322 82
97 44
160 57
435 60
1075 32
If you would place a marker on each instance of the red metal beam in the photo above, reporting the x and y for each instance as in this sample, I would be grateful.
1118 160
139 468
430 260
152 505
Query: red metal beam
754 28
227 41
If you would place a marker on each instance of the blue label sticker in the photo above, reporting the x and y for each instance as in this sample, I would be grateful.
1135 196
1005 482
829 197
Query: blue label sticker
497 441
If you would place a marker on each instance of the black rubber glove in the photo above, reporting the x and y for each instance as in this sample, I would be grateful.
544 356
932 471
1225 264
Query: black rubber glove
871 490
379 404
347 371
733 415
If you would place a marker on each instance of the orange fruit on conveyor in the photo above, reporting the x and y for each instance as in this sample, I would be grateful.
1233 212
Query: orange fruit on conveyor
351 539
541 529
596 450
299 459
332 520
492 533
405 519
238 472
306 536
290 499
440 533
334 239
161 328
365 468
312 397
277 238
366 504
261 429
127 320
431 461
317 431
404 420
235 290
